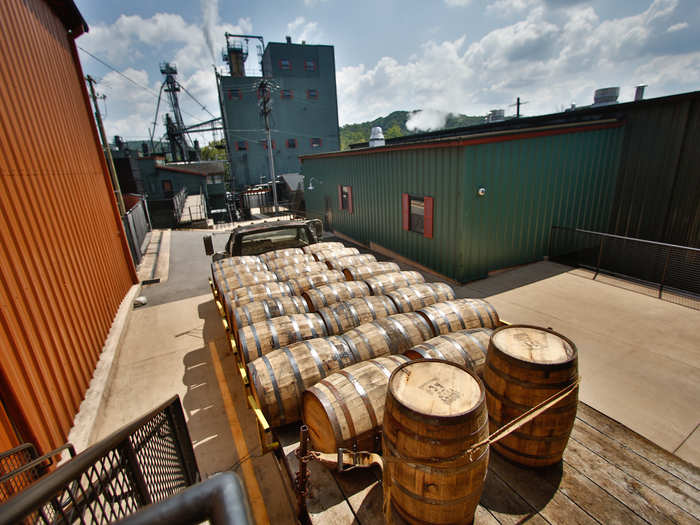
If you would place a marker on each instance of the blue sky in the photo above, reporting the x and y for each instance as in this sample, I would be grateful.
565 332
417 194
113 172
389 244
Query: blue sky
466 56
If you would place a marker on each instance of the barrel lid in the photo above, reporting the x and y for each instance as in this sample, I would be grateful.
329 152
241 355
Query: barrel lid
533 344
435 388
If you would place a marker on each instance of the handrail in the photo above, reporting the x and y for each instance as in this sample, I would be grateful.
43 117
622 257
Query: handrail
636 239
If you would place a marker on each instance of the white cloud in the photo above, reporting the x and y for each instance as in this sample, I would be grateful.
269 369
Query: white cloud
301 29
549 59
457 3
677 27
313 3
504 7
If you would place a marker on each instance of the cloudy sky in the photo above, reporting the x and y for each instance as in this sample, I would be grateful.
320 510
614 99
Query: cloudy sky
466 56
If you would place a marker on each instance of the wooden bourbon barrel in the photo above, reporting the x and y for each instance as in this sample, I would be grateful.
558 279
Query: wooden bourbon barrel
225 267
341 317
388 282
434 412
346 409
392 335
411 298
338 263
297 270
333 293
460 314
305 282
257 292
323 247
280 377
267 309
465 347
360 273
323 256
283 252
525 365
250 261
241 280
262 337
281 262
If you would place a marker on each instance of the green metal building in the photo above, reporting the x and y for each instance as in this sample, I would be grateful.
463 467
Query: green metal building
469 201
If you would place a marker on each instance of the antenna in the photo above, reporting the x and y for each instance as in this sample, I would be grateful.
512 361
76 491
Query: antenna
518 104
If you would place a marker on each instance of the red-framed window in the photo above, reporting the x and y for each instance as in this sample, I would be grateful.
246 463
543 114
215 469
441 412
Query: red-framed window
312 94
291 143
241 145
264 144
286 94
417 214
345 198
316 142
309 65
235 93
285 64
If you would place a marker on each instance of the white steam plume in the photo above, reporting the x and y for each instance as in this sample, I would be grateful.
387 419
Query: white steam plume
426 120
210 15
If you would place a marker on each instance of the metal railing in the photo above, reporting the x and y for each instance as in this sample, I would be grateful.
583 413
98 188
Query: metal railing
144 462
137 225
670 271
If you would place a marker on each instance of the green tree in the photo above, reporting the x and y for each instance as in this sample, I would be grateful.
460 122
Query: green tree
215 150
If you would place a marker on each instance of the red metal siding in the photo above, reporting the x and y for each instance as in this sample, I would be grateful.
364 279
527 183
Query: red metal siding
428 217
405 211
64 261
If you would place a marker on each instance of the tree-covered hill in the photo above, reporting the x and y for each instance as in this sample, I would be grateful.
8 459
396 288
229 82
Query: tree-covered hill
394 125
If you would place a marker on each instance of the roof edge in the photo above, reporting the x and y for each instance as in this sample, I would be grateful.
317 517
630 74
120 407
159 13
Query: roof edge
69 14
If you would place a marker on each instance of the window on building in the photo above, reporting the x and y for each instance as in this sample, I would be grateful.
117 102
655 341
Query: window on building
309 65
286 93
215 179
264 144
316 142
291 143
418 214
312 93
235 93
241 145
345 198
285 64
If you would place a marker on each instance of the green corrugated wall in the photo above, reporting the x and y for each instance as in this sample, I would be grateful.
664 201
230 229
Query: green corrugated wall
531 184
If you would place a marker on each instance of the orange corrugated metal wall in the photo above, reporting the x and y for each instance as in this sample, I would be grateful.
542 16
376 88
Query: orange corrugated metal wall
64 261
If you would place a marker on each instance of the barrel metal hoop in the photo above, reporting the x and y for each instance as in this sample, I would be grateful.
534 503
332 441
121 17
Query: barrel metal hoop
434 349
244 342
478 343
370 306
316 358
529 384
273 334
460 317
346 412
275 387
523 454
404 333
363 395
353 313
353 349
472 307
426 465
489 310
295 368
531 437
381 367
385 335
435 323
465 355
338 328
525 408
429 501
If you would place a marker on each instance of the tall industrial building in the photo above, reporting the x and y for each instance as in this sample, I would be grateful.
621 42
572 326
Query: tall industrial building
304 108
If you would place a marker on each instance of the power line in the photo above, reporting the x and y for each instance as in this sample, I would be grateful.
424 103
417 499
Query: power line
119 72
197 101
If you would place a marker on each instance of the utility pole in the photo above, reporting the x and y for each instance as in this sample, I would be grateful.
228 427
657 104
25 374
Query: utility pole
517 107
264 88
105 145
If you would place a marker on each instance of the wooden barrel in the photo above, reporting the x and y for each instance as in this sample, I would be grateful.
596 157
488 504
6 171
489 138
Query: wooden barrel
338 263
305 282
280 377
281 262
524 366
465 347
264 336
241 280
220 271
388 282
335 254
267 309
329 294
460 314
323 247
362 272
296 270
257 292
341 317
392 335
411 298
252 261
346 409
283 252
434 412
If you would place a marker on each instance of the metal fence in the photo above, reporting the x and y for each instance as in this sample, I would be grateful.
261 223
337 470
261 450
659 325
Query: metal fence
137 225
142 463
668 271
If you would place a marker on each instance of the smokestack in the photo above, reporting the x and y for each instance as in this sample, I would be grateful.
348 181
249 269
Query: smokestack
289 39
376 138
639 92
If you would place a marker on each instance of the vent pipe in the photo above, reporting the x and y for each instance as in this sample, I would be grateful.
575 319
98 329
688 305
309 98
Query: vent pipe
289 39
376 138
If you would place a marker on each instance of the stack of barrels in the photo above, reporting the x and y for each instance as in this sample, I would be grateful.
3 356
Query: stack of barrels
374 358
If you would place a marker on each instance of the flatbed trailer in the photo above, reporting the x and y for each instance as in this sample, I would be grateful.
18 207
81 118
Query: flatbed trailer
609 474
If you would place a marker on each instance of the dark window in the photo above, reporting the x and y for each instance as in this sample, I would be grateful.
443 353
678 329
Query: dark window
286 93
264 144
312 93
309 65
235 93
316 143
345 198
291 143
167 187
241 145
285 64
418 214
